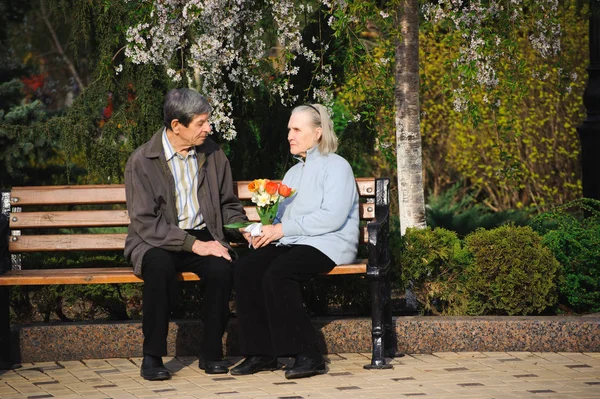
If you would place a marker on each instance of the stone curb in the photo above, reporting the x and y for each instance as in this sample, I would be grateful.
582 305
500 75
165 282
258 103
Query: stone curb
415 334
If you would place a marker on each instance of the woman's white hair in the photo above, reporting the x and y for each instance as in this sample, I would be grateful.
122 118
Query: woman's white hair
319 117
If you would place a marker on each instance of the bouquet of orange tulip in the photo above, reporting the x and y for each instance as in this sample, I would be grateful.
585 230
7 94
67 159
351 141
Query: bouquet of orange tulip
267 195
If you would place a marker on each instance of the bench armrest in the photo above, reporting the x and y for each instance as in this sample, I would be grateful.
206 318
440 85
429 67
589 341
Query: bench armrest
378 231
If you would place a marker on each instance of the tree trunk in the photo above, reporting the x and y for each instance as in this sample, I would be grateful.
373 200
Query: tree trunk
408 134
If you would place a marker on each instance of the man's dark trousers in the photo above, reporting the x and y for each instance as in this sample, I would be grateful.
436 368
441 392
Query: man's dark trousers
161 291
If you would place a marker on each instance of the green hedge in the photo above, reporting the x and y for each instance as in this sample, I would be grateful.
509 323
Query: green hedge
572 233
502 271
432 262
511 272
552 265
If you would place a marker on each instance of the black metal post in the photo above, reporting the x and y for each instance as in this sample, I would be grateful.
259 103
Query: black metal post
5 355
377 272
589 131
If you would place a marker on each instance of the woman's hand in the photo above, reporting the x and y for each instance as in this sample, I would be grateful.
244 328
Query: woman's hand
269 233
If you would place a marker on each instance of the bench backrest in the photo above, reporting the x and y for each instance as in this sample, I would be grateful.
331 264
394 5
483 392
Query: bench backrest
62 218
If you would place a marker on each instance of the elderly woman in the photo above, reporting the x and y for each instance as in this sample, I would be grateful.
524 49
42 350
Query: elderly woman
315 230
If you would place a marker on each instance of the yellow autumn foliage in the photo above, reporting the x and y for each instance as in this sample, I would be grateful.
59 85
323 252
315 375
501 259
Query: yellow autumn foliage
525 149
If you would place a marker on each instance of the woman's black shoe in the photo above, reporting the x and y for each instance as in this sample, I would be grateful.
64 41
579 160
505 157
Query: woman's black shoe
213 366
306 366
153 369
254 364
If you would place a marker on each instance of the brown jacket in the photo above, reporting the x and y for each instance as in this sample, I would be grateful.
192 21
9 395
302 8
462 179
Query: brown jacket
150 194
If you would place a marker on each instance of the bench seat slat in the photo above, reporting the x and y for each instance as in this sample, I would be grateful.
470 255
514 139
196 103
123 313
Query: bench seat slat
88 242
75 276
115 275
113 218
70 242
68 195
107 218
356 268
115 193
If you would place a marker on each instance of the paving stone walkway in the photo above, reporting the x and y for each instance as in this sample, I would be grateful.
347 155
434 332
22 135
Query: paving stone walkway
438 375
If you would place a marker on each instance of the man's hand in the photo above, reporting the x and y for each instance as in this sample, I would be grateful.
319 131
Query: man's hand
210 248
246 235
269 233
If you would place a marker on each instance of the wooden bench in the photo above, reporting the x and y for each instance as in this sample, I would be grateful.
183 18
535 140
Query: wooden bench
38 215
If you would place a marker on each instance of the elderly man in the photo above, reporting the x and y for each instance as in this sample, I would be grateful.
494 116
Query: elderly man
179 195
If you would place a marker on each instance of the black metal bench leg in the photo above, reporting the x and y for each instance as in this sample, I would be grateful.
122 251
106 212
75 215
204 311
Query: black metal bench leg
5 355
390 340
378 327
5 265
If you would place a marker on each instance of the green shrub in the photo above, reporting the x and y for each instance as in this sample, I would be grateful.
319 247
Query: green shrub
574 239
511 273
432 262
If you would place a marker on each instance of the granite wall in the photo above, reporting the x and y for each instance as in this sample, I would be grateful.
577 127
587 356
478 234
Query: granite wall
414 334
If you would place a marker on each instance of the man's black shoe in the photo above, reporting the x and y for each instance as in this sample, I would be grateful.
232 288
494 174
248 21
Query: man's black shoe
8 365
306 366
153 369
214 366
254 364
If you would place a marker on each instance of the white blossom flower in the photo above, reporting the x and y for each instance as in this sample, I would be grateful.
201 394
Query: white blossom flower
227 46
480 52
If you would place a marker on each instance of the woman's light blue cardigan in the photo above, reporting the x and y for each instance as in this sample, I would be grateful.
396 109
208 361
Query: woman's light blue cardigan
323 213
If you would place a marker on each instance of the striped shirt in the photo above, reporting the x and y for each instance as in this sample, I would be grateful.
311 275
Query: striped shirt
185 174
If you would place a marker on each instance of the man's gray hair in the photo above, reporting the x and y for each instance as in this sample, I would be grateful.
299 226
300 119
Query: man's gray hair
184 105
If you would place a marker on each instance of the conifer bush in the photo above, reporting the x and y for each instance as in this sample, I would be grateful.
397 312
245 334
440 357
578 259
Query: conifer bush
574 239
432 263
511 272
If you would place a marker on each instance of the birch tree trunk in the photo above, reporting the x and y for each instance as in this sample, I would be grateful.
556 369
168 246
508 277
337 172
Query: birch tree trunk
408 134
